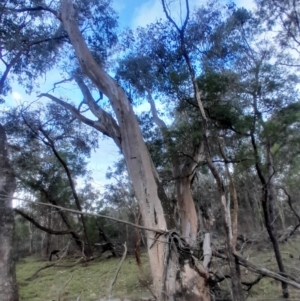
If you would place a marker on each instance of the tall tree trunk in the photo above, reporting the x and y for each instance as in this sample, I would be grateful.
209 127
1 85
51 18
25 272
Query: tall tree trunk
270 217
8 285
188 213
237 291
173 278
30 250
183 173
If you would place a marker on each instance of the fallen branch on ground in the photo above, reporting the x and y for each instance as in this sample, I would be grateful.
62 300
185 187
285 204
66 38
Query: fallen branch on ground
60 293
117 271
260 270
51 264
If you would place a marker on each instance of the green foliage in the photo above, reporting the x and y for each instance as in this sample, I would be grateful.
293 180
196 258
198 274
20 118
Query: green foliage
33 42
37 168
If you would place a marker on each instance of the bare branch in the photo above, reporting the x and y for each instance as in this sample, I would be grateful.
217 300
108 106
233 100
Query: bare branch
72 185
107 121
90 214
117 271
61 291
48 230
158 121
95 124
260 270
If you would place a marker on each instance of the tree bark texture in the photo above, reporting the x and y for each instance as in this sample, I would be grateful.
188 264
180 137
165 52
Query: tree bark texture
183 173
173 279
8 285
188 213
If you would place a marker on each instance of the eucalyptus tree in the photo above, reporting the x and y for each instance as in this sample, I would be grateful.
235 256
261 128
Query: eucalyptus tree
90 36
33 43
126 133
170 67
49 150
264 87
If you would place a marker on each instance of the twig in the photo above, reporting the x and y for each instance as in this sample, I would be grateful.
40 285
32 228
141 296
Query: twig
59 295
117 271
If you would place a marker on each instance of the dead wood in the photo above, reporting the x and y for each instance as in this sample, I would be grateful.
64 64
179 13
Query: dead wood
260 270
117 271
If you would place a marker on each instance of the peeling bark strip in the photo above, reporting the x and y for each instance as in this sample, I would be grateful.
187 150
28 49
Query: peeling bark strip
8 286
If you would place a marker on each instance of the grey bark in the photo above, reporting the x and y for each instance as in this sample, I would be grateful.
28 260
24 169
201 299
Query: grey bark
8 285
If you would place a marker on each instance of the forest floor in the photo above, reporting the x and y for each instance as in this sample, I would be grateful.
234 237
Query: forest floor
92 280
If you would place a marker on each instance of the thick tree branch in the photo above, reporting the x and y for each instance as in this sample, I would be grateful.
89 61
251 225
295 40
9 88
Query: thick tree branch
76 113
107 121
48 230
51 143
158 121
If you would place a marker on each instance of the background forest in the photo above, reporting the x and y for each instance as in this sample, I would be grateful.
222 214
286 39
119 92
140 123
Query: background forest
203 108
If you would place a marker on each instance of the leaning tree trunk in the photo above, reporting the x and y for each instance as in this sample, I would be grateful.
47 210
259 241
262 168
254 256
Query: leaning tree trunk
268 204
175 273
8 286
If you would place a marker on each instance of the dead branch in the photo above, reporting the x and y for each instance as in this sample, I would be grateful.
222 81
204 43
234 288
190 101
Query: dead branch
254 282
48 230
61 291
117 271
90 214
39 270
260 270
49 142
51 264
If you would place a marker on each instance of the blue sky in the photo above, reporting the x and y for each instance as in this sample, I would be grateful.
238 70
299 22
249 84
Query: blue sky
132 13
135 13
